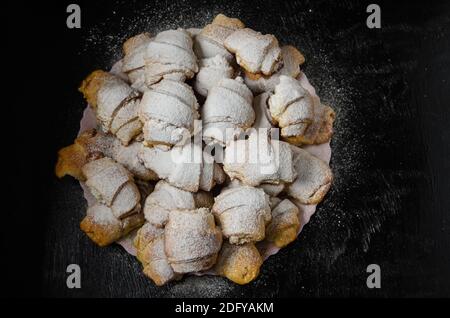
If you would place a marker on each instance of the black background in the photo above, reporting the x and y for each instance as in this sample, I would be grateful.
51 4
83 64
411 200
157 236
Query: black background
389 205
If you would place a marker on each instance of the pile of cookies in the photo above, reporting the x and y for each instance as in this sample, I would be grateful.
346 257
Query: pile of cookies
189 209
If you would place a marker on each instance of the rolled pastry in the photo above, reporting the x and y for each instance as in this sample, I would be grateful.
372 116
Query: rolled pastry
149 243
239 263
166 198
227 111
192 240
88 146
321 129
313 180
259 159
170 55
115 104
256 53
292 108
168 110
92 145
318 132
187 167
292 59
209 42
285 224
243 213
212 70
103 227
128 157
133 63
112 185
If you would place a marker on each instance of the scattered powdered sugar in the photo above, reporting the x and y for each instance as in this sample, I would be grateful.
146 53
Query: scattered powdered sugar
206 287
109 35
335 90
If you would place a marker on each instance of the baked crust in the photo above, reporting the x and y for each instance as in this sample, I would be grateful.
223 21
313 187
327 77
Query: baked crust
314 178
103 228
115 104
297 56
170 53
243 213
91 85
190 176
91 145
192 240
163 199
255 52
168 111
209 42
225 21
149 244
292 59
285 224
239 263
292 109
71 159
273 164
227 107
134 42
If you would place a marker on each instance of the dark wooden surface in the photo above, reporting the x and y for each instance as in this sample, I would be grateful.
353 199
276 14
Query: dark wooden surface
389 205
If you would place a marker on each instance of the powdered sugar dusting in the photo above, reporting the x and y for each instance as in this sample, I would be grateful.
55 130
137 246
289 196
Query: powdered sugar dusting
148 19
109 35
322 151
